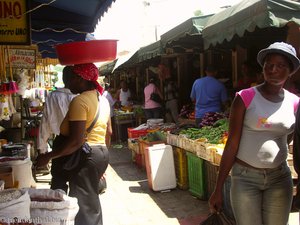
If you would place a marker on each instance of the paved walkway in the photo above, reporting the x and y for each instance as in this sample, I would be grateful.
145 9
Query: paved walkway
129 201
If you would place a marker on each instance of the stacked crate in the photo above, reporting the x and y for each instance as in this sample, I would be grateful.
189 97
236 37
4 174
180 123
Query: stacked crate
180 160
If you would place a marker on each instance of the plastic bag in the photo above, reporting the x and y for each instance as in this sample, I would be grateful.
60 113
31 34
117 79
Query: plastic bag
218 219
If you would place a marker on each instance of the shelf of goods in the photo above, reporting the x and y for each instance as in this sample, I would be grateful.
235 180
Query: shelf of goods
121 120
15 166
200 147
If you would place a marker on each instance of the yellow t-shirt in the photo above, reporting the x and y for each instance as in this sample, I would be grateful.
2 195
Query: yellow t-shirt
84 108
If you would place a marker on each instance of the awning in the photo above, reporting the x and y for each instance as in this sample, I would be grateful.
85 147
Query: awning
185 34
107 68
122 59
150 51
56 22
145 53
247 16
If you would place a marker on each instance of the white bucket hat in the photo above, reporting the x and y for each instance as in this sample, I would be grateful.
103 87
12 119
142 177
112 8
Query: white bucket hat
281 48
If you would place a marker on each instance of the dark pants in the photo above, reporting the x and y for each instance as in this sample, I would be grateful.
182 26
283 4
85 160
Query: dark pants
154 113
84 185
60 177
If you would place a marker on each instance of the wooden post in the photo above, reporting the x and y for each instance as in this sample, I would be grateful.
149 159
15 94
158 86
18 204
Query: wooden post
234 67
201 63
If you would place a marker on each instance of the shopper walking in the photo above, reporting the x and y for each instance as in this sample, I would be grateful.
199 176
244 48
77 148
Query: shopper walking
88 109
261 119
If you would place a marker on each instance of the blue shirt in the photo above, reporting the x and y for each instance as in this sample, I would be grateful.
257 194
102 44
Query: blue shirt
209 94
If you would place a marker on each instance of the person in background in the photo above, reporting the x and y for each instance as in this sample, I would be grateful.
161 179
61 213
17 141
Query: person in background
171 99
209 94
248 76
153 110
262 120
124 95
54 111
84 184
112 101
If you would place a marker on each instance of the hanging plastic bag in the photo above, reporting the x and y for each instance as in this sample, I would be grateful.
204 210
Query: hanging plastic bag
218 219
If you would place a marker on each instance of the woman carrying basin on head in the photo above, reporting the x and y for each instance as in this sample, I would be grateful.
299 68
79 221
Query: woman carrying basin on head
88 109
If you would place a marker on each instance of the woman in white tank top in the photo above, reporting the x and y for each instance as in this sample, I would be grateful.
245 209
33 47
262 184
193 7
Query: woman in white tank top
261 120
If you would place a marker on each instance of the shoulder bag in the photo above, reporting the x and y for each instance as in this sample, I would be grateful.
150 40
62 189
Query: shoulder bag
155 97
75 160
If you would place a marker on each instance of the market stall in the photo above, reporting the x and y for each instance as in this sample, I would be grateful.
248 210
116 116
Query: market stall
197 153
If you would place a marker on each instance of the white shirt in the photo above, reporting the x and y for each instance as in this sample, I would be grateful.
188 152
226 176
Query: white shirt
55 108
111 101
266 125
124 95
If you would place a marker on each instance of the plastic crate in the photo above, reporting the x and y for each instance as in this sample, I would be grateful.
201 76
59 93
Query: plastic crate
211 174
181 169
172 139
144 144
196 175
136 133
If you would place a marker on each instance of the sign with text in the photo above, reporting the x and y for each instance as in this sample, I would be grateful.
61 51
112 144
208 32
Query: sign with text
22 58
14 22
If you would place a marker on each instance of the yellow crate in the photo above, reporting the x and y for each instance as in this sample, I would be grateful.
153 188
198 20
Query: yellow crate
180 161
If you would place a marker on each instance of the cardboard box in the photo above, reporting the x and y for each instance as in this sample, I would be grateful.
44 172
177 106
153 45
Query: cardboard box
6 174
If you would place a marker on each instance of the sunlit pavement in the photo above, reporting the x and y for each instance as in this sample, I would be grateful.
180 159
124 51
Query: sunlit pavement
128 200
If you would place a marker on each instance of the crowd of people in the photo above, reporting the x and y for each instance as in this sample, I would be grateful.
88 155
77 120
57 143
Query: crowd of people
261 124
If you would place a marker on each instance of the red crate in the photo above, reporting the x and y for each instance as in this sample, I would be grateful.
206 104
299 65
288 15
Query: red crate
136 133
140 160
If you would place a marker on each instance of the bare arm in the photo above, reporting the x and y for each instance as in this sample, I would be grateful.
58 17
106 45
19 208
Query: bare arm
75 140
108 133
236 119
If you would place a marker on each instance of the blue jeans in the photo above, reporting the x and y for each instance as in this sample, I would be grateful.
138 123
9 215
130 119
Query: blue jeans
261 196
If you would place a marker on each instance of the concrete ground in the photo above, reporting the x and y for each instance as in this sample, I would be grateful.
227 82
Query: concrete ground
128 199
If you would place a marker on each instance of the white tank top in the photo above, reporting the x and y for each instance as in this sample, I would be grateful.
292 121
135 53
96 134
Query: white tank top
266 125
124 95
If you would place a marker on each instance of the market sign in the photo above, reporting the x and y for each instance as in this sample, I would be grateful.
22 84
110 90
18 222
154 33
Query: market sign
22 58
14 22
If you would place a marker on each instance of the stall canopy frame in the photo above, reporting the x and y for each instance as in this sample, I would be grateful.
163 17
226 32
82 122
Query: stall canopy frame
60 21
247 16
187 34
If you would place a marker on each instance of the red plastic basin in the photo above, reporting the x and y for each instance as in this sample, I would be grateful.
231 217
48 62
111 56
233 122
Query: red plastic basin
86 51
